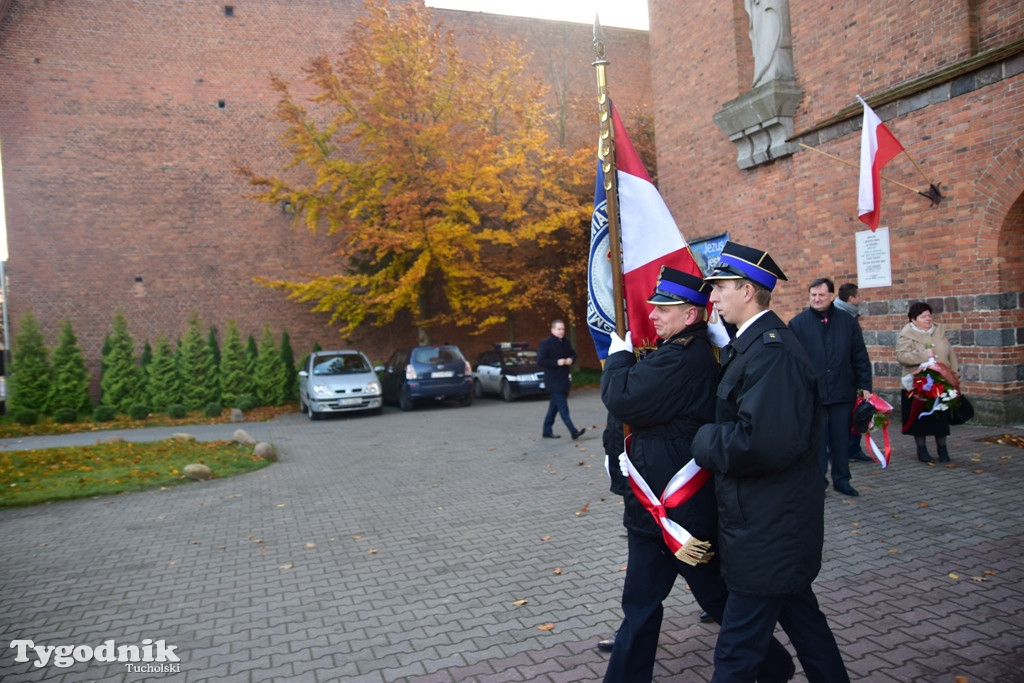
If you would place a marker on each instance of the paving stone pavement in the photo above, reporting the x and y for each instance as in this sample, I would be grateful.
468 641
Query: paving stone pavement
454 544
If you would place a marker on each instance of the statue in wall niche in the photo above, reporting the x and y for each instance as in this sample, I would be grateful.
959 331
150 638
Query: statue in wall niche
770 40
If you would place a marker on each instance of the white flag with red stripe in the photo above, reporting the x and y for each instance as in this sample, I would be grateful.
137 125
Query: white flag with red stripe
877 147
650 240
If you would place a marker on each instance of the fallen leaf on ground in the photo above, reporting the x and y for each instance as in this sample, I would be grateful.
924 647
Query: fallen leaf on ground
546 627
545 538
893 550
285 566
558 570
519 603
310 545
583 510
953 576
924 505
372 551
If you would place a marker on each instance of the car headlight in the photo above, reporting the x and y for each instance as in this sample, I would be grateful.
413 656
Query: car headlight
322 390
373 388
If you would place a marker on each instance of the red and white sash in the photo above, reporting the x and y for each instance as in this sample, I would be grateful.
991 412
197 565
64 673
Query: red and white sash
680 489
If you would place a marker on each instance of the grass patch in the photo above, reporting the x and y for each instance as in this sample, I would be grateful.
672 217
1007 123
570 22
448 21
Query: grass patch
586 377
47 425
51 474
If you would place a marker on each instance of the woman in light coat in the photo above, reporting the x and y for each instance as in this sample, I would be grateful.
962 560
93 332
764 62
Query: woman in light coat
920 341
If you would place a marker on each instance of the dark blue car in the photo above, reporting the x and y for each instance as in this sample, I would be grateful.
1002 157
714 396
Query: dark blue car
426 373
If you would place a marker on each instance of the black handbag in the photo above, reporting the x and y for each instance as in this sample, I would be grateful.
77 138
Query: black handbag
961 412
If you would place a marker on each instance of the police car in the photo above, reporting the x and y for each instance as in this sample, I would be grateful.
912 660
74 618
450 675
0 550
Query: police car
510 370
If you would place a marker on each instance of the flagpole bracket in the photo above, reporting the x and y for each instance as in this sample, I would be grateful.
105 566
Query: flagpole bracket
933 193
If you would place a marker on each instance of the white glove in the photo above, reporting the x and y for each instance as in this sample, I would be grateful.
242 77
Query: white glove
623 467
619 344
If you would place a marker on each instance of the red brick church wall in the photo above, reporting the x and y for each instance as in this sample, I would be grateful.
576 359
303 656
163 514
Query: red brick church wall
965 127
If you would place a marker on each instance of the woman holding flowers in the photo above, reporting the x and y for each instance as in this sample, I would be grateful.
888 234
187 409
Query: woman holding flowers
930 382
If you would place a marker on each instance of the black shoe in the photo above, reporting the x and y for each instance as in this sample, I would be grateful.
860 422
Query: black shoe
846 489
860 456
578 434
606 644
706 618
922 454
552 436
943 453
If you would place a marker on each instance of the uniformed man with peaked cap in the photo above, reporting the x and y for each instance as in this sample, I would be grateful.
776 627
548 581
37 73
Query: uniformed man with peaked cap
763 450
664 399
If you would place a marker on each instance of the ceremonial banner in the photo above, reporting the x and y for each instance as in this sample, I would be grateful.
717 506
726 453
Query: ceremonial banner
877 147
650 240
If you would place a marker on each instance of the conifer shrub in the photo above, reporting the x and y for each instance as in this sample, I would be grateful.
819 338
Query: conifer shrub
138 411
65 416
26 417
213 409
177 411
103 413
245 403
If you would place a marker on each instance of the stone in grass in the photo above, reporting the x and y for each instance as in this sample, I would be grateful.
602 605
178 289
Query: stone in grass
243 437
264 451
198 472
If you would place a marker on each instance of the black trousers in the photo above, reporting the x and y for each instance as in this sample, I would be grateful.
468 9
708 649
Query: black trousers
746 636
836 449
651 572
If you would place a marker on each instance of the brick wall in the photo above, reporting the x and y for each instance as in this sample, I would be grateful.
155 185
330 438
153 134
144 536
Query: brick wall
122 123
965 256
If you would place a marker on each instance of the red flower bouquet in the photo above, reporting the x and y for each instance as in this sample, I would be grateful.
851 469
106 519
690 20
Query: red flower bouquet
933 388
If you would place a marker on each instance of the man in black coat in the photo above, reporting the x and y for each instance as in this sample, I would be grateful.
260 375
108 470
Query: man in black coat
664 399
835 344
763 451
557 357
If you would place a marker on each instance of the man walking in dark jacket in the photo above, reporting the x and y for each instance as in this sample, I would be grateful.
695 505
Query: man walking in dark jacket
763 451
557 357
664 399
835 344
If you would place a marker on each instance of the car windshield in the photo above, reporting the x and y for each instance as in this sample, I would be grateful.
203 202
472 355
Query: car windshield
523 357
342 364
436 354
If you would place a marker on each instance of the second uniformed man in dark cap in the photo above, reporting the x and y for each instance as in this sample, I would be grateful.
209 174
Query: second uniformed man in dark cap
664 399
763 450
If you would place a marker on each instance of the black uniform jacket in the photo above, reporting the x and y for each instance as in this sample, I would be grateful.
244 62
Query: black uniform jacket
556 377
763 450
664 399
836 349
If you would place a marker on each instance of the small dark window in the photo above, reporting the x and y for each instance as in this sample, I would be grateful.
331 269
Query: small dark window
221 104
138 278
229 11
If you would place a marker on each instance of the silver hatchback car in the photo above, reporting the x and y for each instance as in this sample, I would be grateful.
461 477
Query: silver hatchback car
336 382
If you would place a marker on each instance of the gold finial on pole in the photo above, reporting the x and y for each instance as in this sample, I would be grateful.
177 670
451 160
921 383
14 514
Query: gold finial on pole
606 155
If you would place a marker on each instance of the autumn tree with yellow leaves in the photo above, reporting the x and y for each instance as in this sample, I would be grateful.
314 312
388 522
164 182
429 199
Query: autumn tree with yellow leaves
438 175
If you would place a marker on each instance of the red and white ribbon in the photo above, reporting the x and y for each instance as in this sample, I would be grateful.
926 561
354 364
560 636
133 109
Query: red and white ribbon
686 482
880 456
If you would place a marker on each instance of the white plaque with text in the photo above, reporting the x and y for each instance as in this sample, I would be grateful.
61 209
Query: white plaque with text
874 265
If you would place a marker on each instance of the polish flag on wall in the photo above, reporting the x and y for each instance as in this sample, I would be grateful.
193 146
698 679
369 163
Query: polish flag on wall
650 240
877 147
